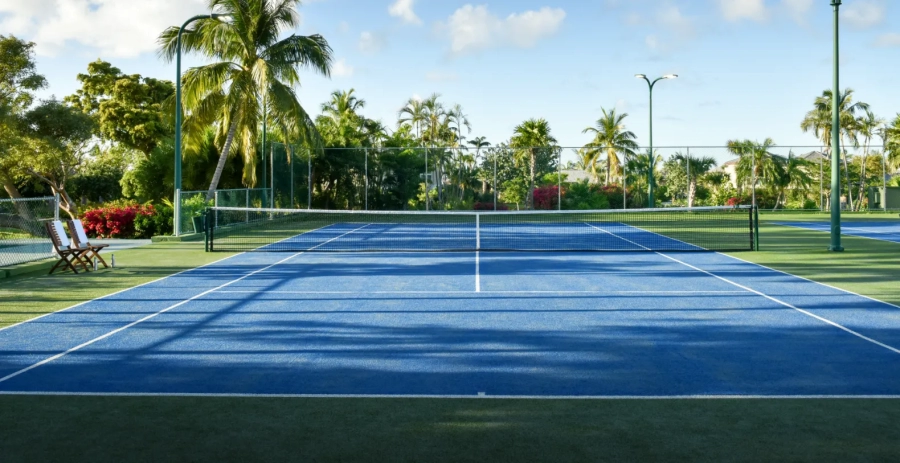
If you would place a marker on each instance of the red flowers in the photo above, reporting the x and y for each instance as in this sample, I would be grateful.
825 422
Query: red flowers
114 221
546 197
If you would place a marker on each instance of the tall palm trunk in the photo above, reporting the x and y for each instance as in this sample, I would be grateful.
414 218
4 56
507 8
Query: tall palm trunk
862 175
843 154
220 166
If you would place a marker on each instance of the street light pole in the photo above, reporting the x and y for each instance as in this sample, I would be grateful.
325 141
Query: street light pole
650 202
178 114
836 140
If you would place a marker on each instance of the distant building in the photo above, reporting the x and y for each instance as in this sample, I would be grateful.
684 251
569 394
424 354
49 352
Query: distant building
576 175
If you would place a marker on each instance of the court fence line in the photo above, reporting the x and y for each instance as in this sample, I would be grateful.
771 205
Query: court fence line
23 237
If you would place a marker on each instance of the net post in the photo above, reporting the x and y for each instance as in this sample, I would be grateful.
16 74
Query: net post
207 229
477 231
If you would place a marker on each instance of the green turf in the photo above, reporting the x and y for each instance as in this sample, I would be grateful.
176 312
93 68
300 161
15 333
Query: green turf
145 429
97 429
13 234
28 296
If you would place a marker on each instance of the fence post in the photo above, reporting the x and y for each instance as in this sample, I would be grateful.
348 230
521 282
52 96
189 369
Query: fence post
56 209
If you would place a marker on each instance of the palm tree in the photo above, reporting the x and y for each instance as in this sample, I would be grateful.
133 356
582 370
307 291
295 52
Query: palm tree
528 137
480 143
819 120
253 78
637 168
793 173
610 136
867 127
755 162
340 117
696 167
413 114
892 142
456 116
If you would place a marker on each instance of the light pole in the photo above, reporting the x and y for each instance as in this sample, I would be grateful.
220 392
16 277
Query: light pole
836 140
178 115
650 201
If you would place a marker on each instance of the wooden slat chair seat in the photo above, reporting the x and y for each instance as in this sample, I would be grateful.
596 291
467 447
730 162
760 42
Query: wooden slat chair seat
81 241
68 255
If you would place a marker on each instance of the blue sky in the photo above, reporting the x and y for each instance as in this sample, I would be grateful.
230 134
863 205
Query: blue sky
748 68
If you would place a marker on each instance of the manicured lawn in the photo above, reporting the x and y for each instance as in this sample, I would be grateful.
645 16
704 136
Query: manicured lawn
97 429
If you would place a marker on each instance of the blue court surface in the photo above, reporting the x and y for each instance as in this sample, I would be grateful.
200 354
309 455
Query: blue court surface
885 231
636 324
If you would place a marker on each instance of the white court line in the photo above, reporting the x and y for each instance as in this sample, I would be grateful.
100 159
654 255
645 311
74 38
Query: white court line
824 229
773 299
462 396
148 317
477 271
237 291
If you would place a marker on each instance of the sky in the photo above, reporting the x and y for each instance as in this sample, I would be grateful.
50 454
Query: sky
748 69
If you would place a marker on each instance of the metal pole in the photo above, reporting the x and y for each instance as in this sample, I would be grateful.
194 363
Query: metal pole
836 140
272 168
367 179
821 190
427 199
624 181
291 153
309 179
559 181
650 201
494 186
178 114
753 177
883 170
688 162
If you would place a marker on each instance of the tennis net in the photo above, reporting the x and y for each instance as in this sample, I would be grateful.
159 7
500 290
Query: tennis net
672 229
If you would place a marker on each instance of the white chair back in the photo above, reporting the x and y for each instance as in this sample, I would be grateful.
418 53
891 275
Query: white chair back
79 231
61 232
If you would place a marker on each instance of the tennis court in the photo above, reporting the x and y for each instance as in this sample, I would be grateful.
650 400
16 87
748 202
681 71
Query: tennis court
885 231
633 323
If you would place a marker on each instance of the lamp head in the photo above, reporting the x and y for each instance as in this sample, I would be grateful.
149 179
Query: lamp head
670 76
217 15
640 76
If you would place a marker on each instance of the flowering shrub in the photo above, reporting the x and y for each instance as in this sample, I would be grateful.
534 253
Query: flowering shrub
121 221
546 197
733 201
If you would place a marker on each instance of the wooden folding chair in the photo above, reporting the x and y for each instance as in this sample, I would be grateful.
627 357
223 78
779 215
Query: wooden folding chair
67 254
80 239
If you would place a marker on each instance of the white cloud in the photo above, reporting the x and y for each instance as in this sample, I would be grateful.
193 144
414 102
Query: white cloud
652 42
863 14
670 17
115 28
473 28
436 76
370 42
891 39
403 9
736 10
343 27
797 9
342 69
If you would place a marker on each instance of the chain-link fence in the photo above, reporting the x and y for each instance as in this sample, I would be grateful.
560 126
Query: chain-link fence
193 203
23 237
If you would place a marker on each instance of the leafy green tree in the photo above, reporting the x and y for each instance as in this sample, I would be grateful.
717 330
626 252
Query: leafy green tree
636 170
611 138
532 139
128 109
253 79
340 123
56 146
891 136
18 80
792 173
819 120
413 115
